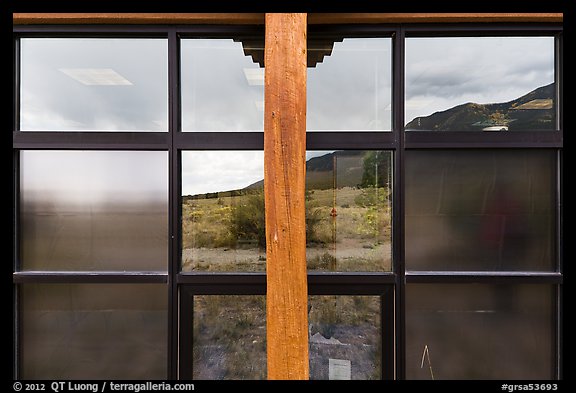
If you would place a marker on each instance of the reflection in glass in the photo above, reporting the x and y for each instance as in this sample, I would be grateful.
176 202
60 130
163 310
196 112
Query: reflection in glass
222 85
480 210
223 211
229 337
478 331
480 83
94 331
94 84
344 337
94 210
348 210
349 84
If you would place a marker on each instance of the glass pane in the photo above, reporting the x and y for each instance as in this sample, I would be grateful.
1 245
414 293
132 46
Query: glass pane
480 83
478 331
223 211
229 337
94 84
480 210
94 210
222 85
345 337
349 84
349 210
94 331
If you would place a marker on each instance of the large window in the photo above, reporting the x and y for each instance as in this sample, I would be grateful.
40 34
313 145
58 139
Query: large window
496 331
480 210
93 84
93 210
222 88
349 211
349 84
433 220
480 83
94 331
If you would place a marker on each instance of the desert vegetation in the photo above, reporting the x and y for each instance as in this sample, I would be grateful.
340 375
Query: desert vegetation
348 221
348 228
230 336
227 233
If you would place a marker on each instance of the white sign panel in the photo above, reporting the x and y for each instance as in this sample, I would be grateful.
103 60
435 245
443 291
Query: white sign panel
339 369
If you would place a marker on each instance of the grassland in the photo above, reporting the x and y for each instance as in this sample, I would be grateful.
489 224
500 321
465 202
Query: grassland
214 237
223 232
230 336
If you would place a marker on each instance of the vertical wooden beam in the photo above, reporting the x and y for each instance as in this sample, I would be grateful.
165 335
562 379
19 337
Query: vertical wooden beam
284 188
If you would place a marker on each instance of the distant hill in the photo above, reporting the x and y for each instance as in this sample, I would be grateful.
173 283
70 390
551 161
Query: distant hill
319 174
532 111
349 167
349 170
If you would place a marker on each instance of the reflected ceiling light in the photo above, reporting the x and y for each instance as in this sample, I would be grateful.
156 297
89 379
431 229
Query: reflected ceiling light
254 76
96 76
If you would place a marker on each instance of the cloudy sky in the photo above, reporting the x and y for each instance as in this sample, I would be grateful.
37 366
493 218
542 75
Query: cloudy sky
212 171
444 72
57 94
121 85
222 89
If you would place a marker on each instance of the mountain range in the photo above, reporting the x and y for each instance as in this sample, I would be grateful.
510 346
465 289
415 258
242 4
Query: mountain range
350 169
532 111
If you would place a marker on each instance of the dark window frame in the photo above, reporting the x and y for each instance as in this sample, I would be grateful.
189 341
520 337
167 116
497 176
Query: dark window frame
181 285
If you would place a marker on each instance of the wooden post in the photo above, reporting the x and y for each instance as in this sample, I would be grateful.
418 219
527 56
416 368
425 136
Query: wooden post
284 189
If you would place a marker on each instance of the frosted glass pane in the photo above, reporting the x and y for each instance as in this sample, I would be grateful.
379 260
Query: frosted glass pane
479 331
94 331
480 210
94 210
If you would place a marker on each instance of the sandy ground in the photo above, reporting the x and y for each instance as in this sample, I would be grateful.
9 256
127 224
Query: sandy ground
346 251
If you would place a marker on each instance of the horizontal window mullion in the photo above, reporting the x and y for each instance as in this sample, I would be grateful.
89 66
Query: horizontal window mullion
482 30
223 279
219 140
314 279
29 277
346 278
344 290
222 289
425 277
93 31
368 140
255 140
313 290
219 31
483 139
91 140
